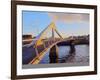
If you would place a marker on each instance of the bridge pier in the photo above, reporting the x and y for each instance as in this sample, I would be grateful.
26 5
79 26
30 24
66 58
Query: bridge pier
72 47
53 55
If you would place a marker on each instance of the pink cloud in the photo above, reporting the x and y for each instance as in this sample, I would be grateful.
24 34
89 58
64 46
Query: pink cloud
68 17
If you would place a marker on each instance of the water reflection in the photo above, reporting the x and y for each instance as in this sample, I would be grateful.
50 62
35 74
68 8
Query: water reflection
81 54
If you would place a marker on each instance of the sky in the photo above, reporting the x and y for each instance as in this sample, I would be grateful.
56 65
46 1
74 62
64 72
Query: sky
67 24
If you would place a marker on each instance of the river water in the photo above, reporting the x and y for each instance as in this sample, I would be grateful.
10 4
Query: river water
81 55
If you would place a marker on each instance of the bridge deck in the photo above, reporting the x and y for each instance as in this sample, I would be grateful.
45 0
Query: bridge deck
30 56
33 55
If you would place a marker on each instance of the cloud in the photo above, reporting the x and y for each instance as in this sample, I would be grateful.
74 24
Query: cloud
69 17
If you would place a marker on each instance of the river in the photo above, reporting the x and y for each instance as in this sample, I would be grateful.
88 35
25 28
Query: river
81 55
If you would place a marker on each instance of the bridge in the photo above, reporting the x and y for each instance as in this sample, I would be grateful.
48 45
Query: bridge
39 46
34 52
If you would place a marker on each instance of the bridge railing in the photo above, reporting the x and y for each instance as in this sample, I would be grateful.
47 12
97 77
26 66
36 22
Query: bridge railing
46 44
38 50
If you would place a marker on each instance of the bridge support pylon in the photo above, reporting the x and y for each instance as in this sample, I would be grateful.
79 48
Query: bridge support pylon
53 55
72 47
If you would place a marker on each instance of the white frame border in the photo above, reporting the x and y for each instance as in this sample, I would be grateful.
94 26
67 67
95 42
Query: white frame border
35 71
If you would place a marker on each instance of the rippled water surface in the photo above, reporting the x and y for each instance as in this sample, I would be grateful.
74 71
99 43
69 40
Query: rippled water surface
81 55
